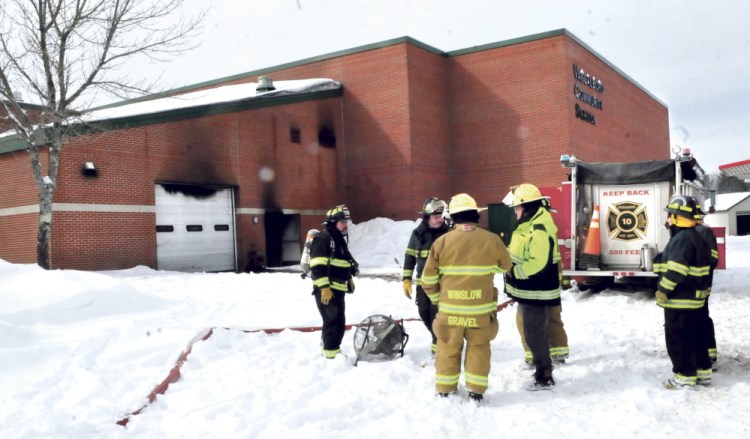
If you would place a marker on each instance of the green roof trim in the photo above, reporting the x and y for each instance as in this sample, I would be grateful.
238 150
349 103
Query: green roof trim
550 34
506 43
11 143
14 143
382 44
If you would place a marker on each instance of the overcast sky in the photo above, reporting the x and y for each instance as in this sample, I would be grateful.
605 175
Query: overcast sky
692 55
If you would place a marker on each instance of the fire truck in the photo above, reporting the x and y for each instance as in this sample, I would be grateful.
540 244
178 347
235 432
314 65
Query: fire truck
610 217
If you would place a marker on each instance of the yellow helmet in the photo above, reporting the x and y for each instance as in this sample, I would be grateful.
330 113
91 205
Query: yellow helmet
462 203
526 193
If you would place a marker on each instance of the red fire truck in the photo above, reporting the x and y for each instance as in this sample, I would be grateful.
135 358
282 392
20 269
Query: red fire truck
630 198
629 201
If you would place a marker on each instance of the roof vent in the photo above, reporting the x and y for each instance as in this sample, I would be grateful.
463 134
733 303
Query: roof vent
264 84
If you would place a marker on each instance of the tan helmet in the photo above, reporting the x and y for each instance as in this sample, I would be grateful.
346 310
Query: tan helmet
462 203
526 193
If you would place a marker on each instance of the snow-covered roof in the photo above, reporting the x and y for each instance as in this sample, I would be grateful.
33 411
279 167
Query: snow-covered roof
224 94
725 202
218 95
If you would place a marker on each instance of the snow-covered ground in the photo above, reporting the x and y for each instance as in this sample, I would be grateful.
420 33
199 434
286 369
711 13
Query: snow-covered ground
81 350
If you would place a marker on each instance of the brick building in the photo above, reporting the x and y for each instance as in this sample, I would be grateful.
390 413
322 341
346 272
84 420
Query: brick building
406 121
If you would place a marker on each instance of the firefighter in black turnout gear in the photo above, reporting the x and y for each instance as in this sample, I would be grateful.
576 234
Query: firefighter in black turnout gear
682 288
710 238
331 269
428 231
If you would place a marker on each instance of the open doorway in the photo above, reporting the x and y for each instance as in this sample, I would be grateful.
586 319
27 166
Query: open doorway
743 224
283 245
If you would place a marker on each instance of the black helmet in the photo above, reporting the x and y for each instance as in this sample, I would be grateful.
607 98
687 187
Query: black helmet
433 206
684 206
338 213
699 212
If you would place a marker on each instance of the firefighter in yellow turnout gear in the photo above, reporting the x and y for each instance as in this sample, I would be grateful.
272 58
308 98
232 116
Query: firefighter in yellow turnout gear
458 277
534 280
558 338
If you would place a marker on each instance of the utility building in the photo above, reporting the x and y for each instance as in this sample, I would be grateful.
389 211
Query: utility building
223 174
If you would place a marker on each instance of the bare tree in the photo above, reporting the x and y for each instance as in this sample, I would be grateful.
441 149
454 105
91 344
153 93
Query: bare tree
59 54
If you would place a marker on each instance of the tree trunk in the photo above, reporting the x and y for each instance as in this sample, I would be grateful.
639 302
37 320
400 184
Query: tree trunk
47 185
44 233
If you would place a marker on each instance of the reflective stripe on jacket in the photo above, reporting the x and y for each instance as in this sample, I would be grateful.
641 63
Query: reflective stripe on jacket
330 265
459 272
533 247
708 235
420 241
684 270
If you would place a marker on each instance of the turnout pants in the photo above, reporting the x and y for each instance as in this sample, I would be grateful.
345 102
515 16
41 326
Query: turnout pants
427 311
558 338
687 343
535 319
450 340
709 332
334 322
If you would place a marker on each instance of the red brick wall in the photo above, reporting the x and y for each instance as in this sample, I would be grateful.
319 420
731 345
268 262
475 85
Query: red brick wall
374 155
430 132
507 118
19 238
102 240
632 126
224 150
17 189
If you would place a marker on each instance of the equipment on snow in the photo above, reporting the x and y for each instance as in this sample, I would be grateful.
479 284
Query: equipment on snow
304 261
379 338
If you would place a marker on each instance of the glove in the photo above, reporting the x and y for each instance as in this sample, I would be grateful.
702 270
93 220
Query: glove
325 295
661 296
407 288
351 285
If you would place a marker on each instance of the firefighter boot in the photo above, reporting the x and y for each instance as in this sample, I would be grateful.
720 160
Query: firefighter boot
477 397
542 379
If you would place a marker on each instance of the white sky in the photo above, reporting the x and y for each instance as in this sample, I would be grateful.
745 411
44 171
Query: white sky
693 55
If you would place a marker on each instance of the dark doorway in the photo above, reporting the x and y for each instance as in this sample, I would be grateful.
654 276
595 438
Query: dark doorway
283 245
743 224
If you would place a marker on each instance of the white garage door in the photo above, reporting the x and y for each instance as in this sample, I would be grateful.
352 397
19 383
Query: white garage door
194 228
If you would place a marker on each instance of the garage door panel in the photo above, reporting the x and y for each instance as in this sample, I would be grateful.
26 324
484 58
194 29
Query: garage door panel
204 248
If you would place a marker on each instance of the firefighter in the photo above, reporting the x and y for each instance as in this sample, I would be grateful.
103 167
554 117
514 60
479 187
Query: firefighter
458 277
558 338
331 269
710 238
682 288
534 280
431 228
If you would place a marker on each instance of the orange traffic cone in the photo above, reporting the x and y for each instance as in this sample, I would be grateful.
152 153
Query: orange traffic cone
592 251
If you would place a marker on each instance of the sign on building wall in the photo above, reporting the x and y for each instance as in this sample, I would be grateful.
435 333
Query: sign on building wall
585 85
